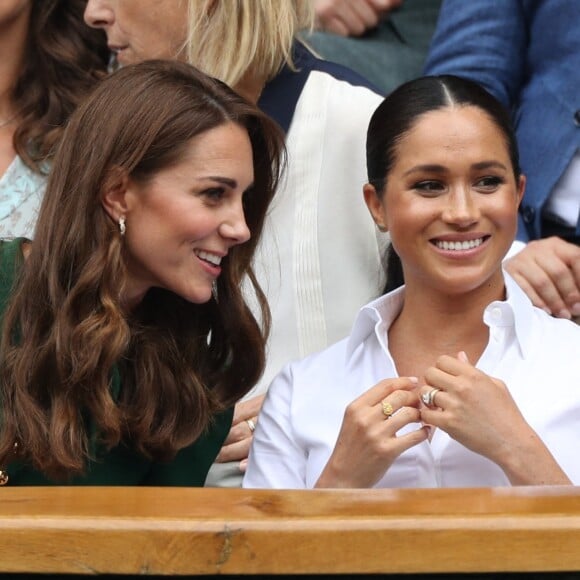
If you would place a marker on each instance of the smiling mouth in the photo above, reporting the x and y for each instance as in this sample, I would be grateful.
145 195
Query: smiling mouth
459 246
212 259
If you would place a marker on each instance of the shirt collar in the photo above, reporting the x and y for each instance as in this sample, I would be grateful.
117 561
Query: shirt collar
516 310
377 314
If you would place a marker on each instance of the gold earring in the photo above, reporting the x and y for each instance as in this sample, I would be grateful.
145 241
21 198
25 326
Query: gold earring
382 228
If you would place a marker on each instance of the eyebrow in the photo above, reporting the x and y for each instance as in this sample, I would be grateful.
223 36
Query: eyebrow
426 168
489 165
433 168
223 180
231 183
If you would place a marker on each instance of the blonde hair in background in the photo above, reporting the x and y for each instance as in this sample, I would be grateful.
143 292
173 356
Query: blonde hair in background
231 39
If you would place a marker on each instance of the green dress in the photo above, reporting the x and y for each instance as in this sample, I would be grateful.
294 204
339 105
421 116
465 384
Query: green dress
120 465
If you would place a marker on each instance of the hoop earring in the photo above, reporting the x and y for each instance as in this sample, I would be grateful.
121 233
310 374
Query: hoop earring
122 228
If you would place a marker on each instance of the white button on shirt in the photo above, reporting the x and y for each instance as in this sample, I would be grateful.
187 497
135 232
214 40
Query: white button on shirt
537 356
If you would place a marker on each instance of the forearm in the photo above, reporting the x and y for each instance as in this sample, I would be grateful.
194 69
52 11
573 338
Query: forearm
529 462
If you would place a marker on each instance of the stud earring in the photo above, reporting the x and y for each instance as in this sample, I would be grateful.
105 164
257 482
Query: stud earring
382 228
122 227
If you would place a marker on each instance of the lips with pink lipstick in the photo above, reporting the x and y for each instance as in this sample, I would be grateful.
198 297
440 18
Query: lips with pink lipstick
210 260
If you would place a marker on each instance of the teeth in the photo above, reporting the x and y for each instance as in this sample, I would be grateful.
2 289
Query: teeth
459 246
211 258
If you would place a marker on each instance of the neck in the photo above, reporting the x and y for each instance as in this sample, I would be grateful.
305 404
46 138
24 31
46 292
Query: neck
250 88
441 323
13 38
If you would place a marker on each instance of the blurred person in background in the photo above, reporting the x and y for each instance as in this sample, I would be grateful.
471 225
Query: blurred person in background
384 40
50 61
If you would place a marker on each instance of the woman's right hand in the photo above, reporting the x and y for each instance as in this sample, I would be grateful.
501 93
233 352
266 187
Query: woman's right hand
368 444
548 270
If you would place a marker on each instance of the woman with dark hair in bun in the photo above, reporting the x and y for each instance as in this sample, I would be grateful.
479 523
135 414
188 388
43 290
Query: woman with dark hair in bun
454 379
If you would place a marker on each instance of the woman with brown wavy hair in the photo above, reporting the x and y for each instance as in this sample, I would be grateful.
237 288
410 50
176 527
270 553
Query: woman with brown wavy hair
50 60
126 339
256 47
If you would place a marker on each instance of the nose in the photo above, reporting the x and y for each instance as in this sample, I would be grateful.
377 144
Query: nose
461 208
234 226
98 14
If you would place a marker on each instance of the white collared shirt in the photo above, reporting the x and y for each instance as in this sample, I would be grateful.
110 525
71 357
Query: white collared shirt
536 355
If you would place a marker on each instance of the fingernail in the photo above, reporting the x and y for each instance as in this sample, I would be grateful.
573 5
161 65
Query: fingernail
564 314
547 310
576 309
414 380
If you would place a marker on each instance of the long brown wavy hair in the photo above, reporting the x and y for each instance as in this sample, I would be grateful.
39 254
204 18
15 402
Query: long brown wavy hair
64 59
65 330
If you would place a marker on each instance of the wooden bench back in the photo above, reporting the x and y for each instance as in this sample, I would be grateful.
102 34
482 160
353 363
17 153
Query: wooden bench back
165 531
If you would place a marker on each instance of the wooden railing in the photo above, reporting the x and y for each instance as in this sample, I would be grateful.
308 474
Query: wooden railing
178 531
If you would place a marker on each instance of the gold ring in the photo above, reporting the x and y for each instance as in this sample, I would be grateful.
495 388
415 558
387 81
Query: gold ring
387 408
251 425
428 398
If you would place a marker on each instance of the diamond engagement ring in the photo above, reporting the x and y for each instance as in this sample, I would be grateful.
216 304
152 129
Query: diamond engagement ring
428 398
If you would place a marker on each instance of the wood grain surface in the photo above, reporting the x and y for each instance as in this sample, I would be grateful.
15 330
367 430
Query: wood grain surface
180 531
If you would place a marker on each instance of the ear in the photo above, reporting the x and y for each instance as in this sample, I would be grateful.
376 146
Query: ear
521 188
114 193
375 206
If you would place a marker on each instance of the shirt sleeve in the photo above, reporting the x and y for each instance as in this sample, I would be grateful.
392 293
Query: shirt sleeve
484 41
276 459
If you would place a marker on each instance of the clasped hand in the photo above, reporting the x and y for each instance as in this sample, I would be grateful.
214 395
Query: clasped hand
236 447
473 408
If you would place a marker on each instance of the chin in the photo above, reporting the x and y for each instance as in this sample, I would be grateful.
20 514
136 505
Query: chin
198 296
201 299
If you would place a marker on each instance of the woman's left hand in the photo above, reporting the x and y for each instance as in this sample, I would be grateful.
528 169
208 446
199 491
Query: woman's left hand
479 412
237 444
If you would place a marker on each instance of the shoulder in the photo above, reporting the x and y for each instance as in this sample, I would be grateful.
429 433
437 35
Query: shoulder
307 61
340 96
551 345
335 92
321 369
312 83
539 332
559 333
12 252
